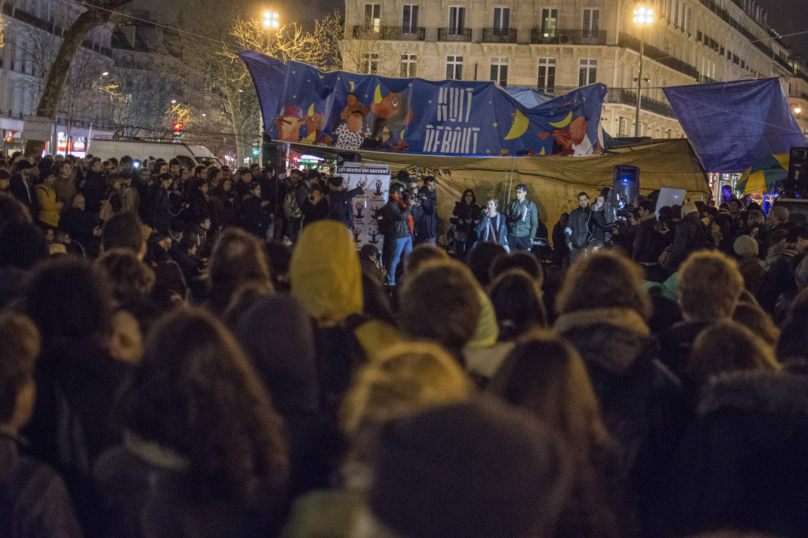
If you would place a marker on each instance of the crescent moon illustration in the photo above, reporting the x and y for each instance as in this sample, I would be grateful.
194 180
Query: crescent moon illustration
352 86
377 97
401 136
563 123
542 151
520 124
321 76
311 110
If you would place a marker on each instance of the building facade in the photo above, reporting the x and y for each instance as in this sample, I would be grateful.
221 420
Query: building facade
554 46
33 31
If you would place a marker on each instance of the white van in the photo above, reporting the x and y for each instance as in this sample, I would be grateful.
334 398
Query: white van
139 151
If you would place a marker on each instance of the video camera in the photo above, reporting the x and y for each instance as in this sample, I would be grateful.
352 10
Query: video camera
623 194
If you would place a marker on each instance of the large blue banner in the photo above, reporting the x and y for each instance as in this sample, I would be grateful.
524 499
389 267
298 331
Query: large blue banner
733 124
302 104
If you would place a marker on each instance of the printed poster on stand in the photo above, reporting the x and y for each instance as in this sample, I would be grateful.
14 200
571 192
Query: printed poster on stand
377 191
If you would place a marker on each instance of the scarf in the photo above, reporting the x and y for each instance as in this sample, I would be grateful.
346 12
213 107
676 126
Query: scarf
410 222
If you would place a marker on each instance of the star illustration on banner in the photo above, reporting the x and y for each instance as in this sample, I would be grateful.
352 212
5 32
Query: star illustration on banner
488 151
294 72
430 101
294 97
495 125
308 80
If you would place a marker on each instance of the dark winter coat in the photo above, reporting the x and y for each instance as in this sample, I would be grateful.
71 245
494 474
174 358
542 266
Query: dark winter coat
691 235
598 226
25 194
648 245
779 278
253 218
579 224
641 401
426 223
145 494
78 224
463 211
94 188
313 213
160 212
398 226
199 207
676 343
741 463
34 502
342 207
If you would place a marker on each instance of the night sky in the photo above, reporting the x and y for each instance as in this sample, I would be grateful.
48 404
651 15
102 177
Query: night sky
781 14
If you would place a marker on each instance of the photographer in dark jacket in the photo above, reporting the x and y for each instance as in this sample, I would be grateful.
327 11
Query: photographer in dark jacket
578 228
397 225
648 243
426 223
341 200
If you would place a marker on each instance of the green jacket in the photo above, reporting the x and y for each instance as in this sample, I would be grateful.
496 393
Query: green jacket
521 223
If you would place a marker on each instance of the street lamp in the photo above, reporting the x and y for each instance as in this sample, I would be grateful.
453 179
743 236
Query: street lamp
797 110
270 19
173 101
105 73
643 16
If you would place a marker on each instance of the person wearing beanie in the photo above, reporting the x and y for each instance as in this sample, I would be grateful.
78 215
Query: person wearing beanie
691 235
469 470
745 246
523 220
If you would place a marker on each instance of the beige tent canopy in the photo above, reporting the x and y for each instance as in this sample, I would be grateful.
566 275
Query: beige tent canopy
553 182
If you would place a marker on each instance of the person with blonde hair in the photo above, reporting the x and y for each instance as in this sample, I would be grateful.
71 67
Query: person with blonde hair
403 380
709 287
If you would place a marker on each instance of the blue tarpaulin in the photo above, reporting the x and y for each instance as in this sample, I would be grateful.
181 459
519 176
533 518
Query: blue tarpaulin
299 103
733 124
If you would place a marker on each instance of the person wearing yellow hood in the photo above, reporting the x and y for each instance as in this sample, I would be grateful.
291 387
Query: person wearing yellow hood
326 277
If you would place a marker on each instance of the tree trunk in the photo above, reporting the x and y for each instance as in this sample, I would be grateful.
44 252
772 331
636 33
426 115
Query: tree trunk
51 95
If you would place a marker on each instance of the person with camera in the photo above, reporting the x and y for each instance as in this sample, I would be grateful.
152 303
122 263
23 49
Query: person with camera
426 220
341 204
523 220
577 231
397 225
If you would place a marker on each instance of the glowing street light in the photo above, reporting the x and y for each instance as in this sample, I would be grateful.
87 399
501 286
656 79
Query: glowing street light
797 110
105 73
173 101
643 16
270 19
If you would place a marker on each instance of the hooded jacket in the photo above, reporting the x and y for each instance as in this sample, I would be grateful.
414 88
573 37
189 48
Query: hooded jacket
641 401
326 277
741 464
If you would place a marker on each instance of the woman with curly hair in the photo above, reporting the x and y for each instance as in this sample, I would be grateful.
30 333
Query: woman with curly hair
204 453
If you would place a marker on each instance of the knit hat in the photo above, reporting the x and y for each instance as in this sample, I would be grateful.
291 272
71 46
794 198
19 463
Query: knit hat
469 470
487 332
746 246
689 208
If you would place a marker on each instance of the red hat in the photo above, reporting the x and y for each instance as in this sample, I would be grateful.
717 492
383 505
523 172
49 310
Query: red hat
291 111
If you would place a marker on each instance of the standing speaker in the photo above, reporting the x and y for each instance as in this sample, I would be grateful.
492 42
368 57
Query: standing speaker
624 193
797 182
273 155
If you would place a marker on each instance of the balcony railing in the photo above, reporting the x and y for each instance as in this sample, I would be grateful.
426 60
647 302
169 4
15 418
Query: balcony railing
499 35
798 95
631 42
390 33
454 34
568 37
626 97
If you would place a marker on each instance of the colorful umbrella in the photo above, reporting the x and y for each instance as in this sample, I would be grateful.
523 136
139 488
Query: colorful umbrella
764 174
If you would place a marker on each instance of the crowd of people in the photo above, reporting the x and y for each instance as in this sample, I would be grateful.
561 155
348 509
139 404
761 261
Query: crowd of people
205 354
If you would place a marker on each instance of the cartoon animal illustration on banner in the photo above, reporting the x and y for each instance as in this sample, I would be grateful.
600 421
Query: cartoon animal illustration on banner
289 123
392 113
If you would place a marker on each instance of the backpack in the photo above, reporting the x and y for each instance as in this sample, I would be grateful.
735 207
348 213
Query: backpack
291 209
